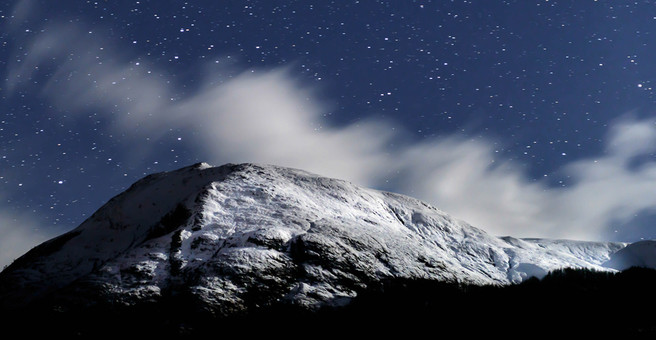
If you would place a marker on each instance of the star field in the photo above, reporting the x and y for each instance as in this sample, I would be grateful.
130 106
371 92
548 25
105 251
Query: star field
539 82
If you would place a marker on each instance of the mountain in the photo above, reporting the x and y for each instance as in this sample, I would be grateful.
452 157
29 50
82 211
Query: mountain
638 254
235 239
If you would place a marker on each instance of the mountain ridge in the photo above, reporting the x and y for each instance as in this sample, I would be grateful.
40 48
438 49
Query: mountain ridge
240 236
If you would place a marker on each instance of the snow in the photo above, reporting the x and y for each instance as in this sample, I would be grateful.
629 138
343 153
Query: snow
298 236
638 254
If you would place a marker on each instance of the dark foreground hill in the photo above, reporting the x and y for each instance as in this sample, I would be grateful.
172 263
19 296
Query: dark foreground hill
563 303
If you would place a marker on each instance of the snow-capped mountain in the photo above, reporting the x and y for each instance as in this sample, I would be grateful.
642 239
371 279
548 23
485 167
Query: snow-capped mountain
239 236
638 254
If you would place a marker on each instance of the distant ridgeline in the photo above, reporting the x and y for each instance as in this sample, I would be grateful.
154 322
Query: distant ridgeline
568 301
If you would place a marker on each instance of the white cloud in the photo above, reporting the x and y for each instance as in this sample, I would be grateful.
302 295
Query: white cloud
630 137
257 115
266 116
457 177
460 177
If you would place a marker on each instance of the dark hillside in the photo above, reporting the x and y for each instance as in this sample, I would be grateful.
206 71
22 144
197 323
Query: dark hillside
564 302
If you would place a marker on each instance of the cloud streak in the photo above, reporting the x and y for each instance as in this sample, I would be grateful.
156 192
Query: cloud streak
606 190
267 116
18 234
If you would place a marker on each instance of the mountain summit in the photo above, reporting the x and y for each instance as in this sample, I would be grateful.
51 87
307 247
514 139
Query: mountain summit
235 238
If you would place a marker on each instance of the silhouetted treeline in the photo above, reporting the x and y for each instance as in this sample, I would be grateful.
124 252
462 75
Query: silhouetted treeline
565 302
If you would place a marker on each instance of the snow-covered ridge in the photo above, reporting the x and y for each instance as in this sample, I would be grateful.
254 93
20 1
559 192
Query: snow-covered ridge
218 233
638 254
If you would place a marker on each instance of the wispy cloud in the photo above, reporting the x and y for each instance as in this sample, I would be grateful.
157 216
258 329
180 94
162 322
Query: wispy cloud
254 115
460 177
19 232
267 116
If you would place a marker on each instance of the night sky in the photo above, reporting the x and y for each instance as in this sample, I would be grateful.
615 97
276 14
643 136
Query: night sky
524 118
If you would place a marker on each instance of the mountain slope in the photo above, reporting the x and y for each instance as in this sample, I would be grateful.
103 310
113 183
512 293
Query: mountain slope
638 254
237 237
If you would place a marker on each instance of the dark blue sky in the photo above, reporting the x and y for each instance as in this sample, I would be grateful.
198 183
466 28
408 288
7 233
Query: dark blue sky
540 83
